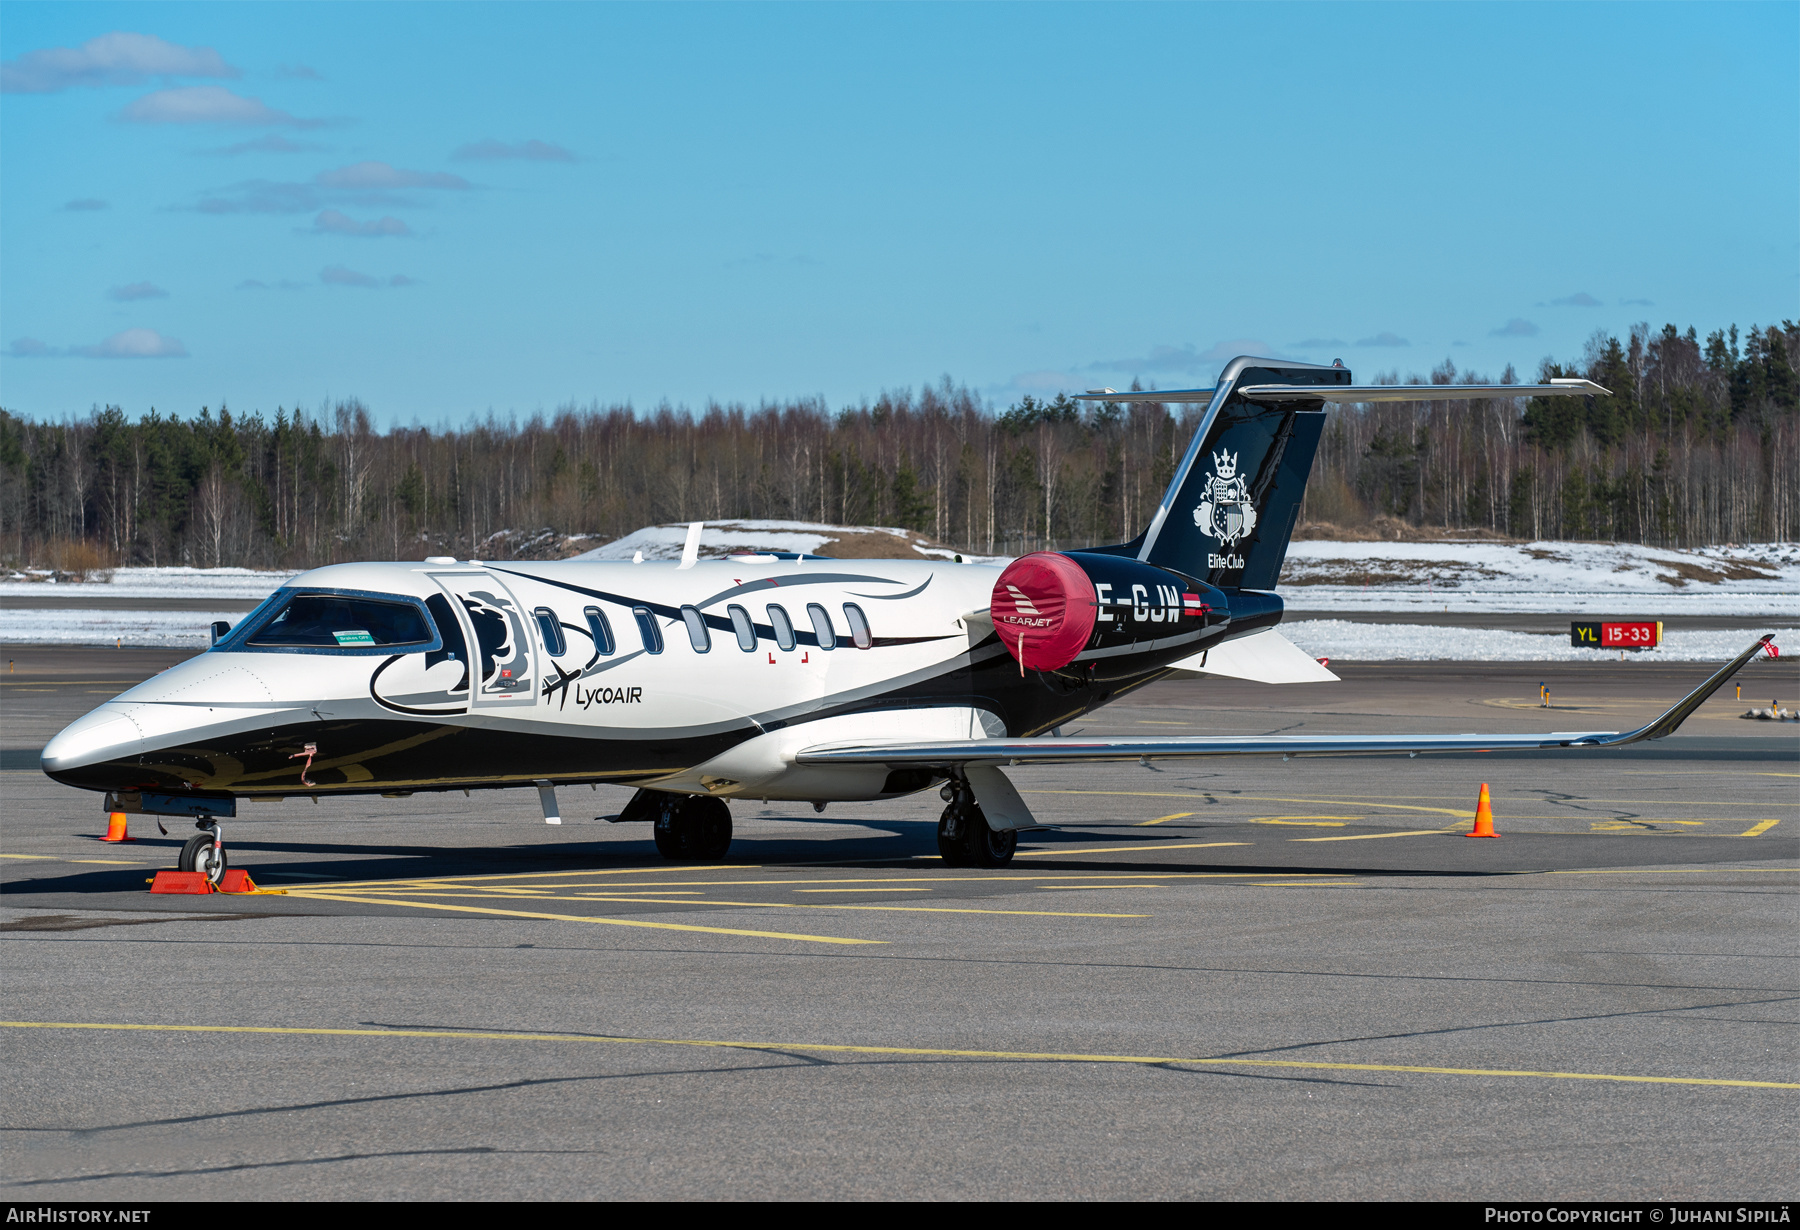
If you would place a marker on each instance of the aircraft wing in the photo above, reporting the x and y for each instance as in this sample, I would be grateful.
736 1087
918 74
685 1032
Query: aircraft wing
958 753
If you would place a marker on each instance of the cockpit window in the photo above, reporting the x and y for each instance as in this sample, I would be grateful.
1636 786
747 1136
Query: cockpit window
333 621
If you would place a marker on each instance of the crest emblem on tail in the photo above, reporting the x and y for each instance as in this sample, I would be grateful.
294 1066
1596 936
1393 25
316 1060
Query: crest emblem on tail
1225 511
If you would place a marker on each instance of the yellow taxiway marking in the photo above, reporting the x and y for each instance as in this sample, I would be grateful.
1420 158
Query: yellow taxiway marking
1149 845
110 862
1372 836
585 918
1180 815
1759 828
747 905
862 890
1306 822
668 890
1664 871
1466 813
923 1052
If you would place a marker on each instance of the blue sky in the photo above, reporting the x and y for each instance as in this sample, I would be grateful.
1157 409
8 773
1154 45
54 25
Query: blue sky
451 209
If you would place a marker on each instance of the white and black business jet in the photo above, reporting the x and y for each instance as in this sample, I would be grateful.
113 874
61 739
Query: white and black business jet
765 676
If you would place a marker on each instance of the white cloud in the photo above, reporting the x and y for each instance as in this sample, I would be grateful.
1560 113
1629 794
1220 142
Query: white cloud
1383 338
1579 299
529 151
379 175
134 344
136 291
84 205
263 196
28 348
1044 382
1185 358
338 275
206 104
274 143
1515 328
331 222
118 58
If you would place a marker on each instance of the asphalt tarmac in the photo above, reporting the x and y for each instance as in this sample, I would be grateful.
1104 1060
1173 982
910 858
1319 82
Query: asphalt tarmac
1225 979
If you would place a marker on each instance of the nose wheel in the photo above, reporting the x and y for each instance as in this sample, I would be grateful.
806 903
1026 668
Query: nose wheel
205 853
693 829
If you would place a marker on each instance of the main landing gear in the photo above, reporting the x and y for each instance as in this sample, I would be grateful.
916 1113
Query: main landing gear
692 828
205 851
963 836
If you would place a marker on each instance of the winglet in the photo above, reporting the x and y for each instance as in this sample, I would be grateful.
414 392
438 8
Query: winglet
1682 709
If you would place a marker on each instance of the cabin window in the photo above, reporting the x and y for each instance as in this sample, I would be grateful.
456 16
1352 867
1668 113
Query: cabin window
821 622
551 631
783 626
603 637
647 629
698 636
740 624
332 621
859 626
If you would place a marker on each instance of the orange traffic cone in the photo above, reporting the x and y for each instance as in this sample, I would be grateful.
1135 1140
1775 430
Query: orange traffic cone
1484 817
115 828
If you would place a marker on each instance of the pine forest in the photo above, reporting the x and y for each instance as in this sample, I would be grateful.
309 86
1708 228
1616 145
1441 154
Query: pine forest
1699 443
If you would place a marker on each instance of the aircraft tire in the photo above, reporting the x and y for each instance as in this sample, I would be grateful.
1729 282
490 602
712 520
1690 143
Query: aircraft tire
693 829
197 855
711 820
954 853
986 847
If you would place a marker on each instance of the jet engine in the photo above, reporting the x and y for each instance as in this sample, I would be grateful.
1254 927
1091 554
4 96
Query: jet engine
1050 606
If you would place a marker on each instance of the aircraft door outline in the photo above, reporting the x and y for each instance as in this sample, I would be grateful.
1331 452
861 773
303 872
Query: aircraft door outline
500 648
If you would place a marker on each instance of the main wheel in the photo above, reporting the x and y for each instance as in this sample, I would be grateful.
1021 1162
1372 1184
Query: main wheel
711 820
986 847
198 855
696 828
953 852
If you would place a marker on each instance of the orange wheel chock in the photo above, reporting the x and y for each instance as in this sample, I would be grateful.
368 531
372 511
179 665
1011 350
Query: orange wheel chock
237 880
116 829
181 882
1484 817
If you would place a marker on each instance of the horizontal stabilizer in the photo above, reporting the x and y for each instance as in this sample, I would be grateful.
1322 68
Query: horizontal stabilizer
1264 657
1362 392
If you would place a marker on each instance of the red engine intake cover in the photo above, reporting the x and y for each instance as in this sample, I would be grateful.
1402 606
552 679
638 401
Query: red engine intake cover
1043 609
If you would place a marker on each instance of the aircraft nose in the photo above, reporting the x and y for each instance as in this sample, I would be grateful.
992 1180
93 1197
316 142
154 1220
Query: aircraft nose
105 734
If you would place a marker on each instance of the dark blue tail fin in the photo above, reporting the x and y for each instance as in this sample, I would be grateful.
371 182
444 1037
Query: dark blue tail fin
1232 504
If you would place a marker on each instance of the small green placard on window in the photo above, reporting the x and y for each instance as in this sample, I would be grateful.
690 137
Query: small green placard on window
358 637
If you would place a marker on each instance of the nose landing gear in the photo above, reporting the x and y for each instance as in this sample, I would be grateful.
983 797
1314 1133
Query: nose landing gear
963 836
693 828
205 851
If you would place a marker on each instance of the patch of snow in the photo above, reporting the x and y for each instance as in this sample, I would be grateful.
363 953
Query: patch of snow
747 537
163 583
1583 578
1345 640
136 629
